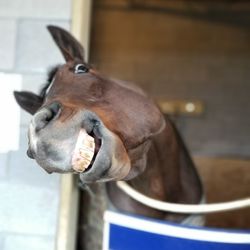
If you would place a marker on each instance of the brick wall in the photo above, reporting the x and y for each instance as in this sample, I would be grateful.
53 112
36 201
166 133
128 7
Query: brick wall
29 196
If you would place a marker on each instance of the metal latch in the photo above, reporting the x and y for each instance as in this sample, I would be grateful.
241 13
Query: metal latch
181 107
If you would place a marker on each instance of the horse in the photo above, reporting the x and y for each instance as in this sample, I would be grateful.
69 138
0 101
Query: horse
106 130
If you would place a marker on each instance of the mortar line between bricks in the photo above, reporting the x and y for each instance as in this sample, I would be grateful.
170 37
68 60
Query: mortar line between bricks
27 234
8 165
16 43
44 19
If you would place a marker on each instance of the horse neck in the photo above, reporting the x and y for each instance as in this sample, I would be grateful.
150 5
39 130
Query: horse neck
170 176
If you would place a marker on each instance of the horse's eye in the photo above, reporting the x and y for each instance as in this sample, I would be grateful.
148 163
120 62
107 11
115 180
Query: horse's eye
80 69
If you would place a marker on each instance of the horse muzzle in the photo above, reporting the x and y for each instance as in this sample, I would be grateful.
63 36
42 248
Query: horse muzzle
81 144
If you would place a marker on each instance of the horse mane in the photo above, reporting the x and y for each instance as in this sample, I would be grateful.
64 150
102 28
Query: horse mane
50 75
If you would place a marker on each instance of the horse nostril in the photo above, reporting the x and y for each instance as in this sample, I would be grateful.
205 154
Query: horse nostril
46 115
53 110
30 154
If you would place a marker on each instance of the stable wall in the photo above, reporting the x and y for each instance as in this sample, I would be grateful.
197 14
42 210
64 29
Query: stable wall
179 50
29 196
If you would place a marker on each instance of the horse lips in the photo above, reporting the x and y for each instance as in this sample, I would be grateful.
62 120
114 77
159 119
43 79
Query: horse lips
83 152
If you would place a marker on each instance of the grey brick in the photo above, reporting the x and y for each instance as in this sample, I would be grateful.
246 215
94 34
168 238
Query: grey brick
27 209
23 170
44 9
36 50
7 43
3 166
1 241
34 82
26 242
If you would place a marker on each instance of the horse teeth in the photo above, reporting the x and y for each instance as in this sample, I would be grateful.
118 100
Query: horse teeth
81 165
83 152
89 143
84 164
86 154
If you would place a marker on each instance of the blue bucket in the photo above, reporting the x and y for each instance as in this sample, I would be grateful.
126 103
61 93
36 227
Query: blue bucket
129 232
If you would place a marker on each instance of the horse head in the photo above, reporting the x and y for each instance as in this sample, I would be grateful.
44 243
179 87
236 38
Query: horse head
87 123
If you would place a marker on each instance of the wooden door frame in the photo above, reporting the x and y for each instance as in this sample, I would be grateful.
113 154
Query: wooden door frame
66 236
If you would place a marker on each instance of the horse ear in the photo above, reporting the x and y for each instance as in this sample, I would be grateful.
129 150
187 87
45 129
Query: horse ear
28 101
68 45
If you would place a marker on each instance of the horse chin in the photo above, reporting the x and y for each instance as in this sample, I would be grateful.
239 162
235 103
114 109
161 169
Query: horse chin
53 155
54 162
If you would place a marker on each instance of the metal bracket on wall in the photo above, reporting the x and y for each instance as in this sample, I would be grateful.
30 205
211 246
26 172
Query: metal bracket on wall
181 107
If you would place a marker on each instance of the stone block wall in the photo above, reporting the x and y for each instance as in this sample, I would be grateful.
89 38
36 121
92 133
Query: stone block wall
29 196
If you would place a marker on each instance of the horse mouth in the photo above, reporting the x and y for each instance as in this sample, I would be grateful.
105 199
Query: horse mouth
85 152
